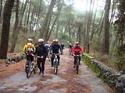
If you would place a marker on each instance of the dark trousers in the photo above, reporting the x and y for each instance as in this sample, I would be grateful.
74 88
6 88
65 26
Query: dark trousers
52 58
29 58
41 64
75 58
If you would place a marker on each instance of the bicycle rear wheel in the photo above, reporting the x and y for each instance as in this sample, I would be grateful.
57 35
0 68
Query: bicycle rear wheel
56 68
77 69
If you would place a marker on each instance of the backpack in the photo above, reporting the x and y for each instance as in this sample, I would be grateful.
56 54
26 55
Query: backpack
29 48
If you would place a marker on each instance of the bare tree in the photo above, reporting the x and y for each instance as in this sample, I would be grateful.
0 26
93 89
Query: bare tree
18 27
47 19
105 48
5 28
53 25
1 7
15 25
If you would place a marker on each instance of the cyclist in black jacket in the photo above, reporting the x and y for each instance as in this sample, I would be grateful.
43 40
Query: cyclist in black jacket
55 49
41 53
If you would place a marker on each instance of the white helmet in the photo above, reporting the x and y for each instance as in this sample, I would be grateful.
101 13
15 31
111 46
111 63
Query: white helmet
56 40
30 39
40 40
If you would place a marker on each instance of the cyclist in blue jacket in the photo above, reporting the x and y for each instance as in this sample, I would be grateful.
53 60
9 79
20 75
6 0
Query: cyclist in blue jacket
55 49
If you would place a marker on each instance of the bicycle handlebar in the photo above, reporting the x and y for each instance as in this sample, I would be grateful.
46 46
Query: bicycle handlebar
76 55
56 53
30 54
40 56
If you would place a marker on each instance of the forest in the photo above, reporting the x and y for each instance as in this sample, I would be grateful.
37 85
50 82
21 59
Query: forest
99 27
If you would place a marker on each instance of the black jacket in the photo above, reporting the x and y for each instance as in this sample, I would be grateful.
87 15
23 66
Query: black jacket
41 50
56 48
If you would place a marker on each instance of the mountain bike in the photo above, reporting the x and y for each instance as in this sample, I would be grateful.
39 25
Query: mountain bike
29 68
55 63
77 63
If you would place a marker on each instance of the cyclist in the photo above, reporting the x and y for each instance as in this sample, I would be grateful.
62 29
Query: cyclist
70 48
55 49
41 53
77 50
62 46
47 45
29 50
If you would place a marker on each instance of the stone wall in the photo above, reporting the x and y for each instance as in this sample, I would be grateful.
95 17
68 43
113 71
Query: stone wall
114 79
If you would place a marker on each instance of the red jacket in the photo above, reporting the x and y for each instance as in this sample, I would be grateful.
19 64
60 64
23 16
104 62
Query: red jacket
77 50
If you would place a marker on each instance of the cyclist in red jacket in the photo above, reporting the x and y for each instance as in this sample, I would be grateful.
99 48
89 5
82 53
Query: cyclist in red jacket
77 50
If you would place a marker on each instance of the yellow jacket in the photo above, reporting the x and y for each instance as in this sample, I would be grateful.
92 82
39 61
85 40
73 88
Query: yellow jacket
27 46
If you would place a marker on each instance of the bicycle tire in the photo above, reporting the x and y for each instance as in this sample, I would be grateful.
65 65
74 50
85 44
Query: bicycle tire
77 69
28 71
56 70
77 66
55 67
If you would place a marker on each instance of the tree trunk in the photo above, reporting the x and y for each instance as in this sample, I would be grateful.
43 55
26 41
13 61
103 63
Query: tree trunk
121 23
1 2
47 19
106 27
1 7
57 16
18 27
15 25
5 28
79 33
88 24
57 29
27 17
120 51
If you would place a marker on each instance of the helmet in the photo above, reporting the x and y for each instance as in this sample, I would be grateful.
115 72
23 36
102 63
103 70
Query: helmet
40 40
30 39
56 40
77 43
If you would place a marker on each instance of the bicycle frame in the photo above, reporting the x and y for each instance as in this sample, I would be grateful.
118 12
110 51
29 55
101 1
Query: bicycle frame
55 63
30 68
77 63
77 59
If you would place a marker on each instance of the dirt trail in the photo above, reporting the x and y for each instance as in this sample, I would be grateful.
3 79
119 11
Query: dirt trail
67 81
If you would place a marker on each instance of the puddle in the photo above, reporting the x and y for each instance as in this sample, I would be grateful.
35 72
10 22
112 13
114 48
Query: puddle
54 79
57 91
63 90
27 88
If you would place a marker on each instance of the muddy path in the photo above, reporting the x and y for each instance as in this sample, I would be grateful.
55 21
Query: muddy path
67 81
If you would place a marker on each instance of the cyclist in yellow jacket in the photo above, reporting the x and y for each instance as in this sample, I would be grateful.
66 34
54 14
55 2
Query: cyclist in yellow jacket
29 50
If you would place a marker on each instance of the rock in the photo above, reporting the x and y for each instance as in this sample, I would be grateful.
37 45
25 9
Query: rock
14 59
